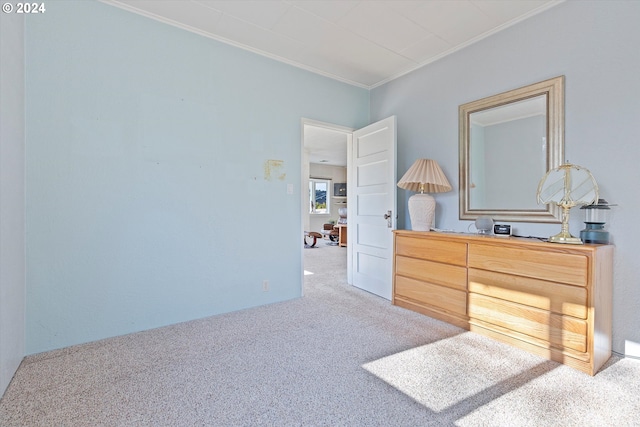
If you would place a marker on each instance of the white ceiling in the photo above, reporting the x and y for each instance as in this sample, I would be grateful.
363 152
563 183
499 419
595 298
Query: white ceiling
325 146
361 42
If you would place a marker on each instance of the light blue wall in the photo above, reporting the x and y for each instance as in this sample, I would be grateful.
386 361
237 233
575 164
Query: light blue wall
596 46
150 196
12 198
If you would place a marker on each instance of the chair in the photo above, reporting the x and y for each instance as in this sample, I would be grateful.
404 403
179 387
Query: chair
333 231
328 231
311 238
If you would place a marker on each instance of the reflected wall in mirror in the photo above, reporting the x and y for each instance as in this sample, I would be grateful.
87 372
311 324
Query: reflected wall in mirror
507 143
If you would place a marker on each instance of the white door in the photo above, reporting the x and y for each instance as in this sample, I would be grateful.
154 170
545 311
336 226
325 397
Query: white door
371 200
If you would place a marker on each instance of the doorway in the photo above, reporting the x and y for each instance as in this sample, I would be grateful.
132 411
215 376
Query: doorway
371 192
324 165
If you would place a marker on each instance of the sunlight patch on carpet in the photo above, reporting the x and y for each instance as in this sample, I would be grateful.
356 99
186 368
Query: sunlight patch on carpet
446 373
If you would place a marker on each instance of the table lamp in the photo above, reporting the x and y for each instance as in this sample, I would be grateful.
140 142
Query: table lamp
426 177
567 186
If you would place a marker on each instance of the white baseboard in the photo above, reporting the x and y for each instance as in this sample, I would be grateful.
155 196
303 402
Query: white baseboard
632 349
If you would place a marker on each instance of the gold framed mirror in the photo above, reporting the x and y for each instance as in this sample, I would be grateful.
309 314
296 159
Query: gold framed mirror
507 143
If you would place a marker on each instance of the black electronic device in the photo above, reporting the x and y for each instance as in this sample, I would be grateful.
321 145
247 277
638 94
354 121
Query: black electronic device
502 230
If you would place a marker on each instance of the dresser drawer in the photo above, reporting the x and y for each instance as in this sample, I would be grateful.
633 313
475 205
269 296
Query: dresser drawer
546 265
437 273
432 250
428 294
560 331
555 297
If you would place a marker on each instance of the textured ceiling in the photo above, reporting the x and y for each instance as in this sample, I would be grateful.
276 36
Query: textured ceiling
325 146
365 43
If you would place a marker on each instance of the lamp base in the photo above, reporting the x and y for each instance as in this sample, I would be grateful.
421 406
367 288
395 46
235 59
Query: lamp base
422 211
565 238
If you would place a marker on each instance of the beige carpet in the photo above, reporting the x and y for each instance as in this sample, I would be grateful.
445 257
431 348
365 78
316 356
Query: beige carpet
336 357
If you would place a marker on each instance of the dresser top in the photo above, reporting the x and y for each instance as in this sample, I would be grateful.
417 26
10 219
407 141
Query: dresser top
531 242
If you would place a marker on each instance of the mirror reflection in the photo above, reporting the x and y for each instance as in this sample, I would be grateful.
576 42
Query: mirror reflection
495 134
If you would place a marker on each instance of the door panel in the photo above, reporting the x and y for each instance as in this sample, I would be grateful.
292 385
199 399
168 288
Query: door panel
373 173
372 194
377 141
371 204
370 266
371 236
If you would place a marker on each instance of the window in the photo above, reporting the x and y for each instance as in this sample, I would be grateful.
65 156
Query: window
319 196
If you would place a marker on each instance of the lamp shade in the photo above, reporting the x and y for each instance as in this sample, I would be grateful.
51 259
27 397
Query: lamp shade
567 186
425 176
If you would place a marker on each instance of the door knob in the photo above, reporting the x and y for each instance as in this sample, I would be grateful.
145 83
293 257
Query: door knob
387 216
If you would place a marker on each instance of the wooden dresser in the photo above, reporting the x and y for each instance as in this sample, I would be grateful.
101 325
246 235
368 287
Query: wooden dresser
550 299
